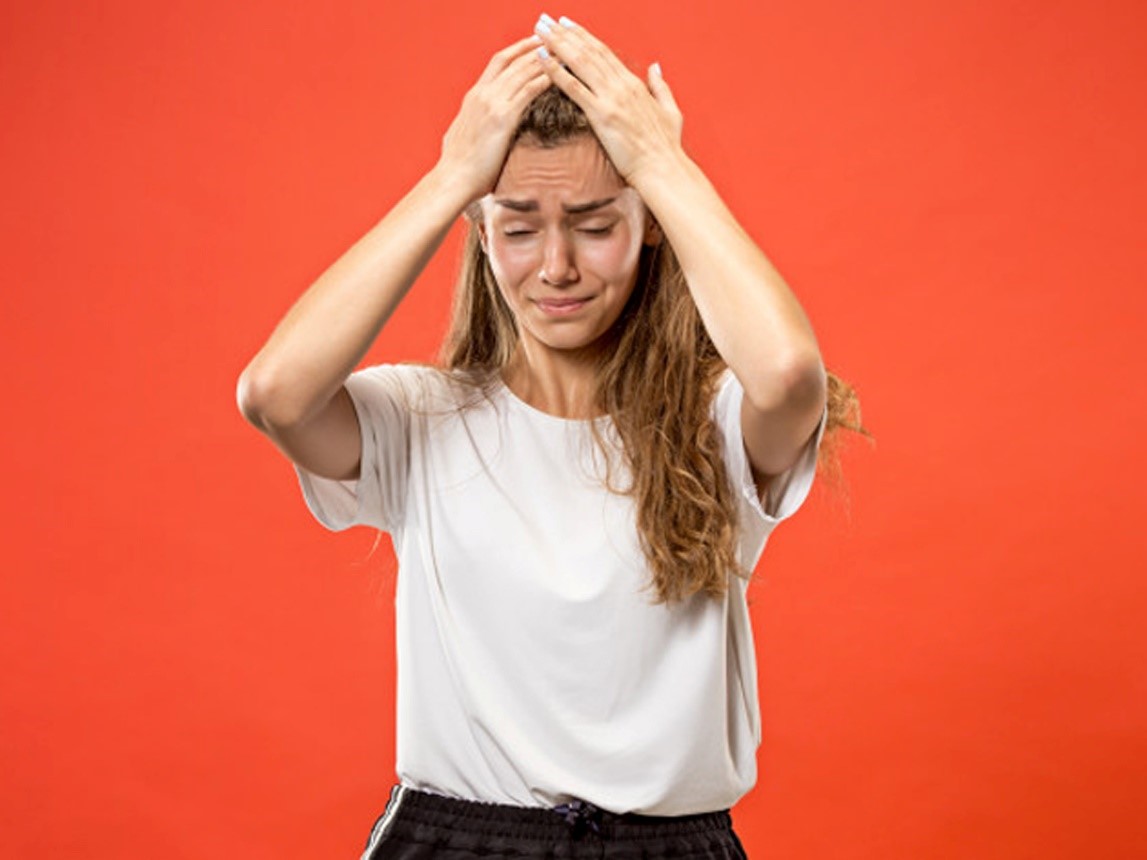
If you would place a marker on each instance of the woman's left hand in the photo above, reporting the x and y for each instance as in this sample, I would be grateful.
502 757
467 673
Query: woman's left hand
638 123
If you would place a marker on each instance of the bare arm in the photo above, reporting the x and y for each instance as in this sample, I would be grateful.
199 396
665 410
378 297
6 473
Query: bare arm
754 319
293 389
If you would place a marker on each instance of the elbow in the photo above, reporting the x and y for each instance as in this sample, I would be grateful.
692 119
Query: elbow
800 381
251 397
263 401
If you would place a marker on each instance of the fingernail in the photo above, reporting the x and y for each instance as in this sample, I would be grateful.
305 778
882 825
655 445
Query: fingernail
657 69
543 53
543 26
546 19
566 22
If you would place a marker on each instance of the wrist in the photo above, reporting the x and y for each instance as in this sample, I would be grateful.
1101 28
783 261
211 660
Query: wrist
456 182
671 166
450 186
661 180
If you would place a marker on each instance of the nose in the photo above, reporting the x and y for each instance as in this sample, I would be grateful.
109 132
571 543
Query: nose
558 268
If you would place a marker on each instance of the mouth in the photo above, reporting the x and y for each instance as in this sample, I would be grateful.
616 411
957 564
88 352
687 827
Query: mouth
560 307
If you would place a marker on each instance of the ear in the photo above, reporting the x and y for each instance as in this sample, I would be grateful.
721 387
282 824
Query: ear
477 219
653 235
482 239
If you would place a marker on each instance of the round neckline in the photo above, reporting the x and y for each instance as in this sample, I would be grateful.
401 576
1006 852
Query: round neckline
522 405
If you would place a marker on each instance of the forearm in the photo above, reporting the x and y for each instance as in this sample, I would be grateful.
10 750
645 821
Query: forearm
754 319
329 329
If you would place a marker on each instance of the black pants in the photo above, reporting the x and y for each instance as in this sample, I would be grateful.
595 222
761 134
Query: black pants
420 826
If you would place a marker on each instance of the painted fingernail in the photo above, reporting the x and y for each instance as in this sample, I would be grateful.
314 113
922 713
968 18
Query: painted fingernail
567 22
543 26
543 53
657 69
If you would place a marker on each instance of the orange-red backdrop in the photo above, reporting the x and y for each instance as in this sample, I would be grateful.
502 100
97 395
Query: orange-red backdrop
952 662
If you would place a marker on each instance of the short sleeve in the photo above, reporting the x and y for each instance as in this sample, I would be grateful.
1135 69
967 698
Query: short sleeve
787 491
377 497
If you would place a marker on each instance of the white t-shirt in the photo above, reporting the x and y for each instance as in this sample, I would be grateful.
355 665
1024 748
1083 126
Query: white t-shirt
533 665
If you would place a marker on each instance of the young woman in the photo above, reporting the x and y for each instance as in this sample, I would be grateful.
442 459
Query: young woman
629 401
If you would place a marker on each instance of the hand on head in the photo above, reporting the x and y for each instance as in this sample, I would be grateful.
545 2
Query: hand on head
475 146
636 121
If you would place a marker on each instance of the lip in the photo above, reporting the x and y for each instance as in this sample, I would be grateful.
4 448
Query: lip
560 307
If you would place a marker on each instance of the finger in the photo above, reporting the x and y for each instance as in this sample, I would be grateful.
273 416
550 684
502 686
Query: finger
567 81
505 85
521 69
507 55
575 33
661 90
581 57
529 90
573 28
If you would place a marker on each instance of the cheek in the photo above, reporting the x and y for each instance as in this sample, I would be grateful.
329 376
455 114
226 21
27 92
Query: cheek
613 258
510 262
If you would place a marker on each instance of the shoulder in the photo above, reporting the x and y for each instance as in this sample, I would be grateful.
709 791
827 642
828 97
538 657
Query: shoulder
411 386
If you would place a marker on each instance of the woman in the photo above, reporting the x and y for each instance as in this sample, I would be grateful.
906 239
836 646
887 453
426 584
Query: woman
630 399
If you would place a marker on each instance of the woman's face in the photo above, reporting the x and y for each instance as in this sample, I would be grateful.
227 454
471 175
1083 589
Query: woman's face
563 234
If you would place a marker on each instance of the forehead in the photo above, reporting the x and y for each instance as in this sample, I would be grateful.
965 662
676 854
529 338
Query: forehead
571 172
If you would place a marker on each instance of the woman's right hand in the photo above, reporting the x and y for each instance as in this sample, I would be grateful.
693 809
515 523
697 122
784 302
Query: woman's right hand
478 140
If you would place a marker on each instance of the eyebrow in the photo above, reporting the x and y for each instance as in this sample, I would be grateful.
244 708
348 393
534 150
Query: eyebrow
575 209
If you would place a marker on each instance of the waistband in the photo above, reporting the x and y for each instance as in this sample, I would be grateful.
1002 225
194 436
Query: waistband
577 817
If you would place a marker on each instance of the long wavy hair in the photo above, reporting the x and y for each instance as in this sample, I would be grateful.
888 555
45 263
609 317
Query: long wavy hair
655 379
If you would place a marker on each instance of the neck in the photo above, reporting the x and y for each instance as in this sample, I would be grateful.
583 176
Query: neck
560 383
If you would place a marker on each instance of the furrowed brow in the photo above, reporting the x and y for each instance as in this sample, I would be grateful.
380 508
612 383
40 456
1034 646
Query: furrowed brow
518 205
532 205
579 208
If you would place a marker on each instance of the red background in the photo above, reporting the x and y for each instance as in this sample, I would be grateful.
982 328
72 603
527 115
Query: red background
952 656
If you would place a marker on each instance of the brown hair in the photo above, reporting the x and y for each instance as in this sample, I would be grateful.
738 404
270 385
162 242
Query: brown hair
656 382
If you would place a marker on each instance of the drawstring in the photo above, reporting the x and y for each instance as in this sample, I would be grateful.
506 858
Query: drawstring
581 816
